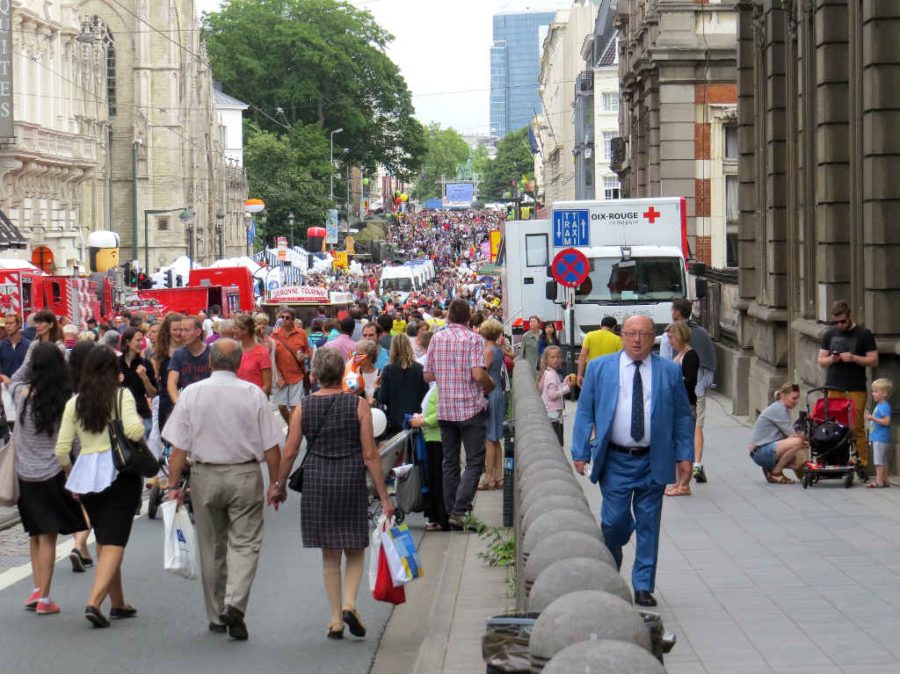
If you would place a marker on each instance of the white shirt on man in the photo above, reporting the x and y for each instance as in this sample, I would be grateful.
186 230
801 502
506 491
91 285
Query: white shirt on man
621 427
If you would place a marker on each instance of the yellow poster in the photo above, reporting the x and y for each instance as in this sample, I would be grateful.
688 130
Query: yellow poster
340 259
350 245
495 244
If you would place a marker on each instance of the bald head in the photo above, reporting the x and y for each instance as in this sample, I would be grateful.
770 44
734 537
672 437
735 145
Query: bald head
637 336
225 354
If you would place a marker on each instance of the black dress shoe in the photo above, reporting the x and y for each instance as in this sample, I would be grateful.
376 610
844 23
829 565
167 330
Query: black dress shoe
218 628
644 598
123 612
233 619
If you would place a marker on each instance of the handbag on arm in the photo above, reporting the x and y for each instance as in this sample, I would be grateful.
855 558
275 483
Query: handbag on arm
133 456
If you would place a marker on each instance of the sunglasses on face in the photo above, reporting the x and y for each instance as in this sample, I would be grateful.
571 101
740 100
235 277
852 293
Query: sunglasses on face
286 318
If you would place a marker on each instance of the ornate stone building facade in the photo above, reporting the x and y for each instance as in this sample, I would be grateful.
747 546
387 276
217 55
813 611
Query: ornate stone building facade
115 116
678 138
819 127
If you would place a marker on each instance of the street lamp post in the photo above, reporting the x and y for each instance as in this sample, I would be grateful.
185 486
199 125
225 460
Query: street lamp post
186 216
291 220
331 192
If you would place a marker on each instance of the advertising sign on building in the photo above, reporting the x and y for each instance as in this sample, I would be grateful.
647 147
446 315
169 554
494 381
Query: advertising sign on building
299 295
331 226
340 259
6 70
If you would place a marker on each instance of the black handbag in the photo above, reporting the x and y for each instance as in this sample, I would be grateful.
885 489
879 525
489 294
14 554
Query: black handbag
295 481
131 456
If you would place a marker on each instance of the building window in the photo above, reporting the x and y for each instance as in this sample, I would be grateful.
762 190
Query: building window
731 141
611 189
731 220
610 101
162 224
536 250
607 144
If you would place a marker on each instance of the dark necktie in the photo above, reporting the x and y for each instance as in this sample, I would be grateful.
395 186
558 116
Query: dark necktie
637 404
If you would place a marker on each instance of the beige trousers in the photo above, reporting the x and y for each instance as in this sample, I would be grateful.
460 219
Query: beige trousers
228 509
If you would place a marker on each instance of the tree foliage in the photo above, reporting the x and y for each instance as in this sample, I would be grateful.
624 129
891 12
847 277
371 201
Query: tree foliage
513 160
291 173
445 151
321 63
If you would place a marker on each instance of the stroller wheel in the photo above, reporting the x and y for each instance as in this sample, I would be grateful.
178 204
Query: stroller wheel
848 480
806 481
862 474
153 502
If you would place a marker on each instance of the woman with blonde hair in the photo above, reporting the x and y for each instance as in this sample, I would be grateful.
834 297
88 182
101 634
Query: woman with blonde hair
774 444
402 385
679 335
492 330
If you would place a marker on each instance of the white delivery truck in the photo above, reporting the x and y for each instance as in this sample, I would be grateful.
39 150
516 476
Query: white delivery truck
402 279
637 251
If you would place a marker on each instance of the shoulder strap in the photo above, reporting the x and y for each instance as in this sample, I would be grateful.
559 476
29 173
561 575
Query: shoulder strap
311 440
288 349
118 406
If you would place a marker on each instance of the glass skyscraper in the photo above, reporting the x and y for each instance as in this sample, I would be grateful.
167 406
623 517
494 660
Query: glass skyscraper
515 68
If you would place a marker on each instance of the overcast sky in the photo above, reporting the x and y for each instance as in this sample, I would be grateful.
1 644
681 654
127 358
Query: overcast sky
443 50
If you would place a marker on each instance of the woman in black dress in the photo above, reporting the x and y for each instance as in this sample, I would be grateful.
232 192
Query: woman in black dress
402 385
334 508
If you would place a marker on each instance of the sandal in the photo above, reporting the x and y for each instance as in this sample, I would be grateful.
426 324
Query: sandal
876 485
433 526
676 490
781 478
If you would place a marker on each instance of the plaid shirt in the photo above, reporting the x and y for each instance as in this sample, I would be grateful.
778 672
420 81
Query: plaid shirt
452 354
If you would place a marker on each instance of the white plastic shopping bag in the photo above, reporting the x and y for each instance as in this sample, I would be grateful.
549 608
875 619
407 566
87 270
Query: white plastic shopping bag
181 555
375 550
400 552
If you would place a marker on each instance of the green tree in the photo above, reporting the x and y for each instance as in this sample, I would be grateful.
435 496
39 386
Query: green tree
445 151
480 161
513 160
291 173
322 63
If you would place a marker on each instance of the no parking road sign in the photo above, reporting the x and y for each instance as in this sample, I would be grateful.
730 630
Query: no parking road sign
570 267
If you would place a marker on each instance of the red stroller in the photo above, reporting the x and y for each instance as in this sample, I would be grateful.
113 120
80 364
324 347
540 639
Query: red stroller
832 445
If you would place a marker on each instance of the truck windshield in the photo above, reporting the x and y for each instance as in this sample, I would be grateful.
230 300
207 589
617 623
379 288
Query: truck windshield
643 279
400 285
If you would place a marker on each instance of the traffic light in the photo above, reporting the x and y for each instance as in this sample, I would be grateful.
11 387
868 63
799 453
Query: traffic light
144 282
170 278
127 274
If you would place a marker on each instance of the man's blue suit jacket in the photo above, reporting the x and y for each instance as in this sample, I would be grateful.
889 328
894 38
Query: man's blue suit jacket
671 422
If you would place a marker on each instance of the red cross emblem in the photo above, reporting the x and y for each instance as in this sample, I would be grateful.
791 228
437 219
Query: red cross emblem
652 214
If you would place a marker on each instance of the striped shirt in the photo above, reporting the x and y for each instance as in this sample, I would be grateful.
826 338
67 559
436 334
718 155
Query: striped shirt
35 455
452 354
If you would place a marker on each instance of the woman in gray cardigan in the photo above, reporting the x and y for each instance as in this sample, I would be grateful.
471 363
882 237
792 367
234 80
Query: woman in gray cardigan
774 444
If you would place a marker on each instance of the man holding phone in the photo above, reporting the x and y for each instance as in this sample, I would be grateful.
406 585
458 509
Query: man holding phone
847 350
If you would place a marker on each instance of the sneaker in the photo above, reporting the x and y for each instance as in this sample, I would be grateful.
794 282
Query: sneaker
699 474
32 601
47 608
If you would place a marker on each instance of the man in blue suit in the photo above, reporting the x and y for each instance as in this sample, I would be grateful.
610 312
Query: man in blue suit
638 407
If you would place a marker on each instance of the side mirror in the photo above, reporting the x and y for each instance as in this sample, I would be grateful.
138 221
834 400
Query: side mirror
550 291
700 288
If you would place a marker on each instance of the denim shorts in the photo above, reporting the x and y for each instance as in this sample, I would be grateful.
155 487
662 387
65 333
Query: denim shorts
765 456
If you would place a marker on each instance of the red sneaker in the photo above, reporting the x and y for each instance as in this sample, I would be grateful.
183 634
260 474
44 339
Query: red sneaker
32 601
48 608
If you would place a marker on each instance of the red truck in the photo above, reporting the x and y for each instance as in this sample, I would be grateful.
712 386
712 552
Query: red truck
25 291
231 288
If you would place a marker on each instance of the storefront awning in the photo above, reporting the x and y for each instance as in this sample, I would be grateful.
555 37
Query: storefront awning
10 236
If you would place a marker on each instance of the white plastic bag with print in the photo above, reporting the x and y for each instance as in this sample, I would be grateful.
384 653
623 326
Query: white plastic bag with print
181 555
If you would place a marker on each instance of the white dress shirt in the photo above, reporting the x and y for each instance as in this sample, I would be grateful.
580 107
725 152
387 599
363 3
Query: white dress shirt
621 427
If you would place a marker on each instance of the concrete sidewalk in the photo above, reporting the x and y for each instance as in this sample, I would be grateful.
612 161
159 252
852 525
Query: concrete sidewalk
439 629
756 577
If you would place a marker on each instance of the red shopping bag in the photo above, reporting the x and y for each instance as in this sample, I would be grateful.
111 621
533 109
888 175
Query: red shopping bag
384 589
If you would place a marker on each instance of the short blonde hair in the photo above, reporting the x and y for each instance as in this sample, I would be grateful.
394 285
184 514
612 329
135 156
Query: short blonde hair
680 331
883 385
491 329
786 389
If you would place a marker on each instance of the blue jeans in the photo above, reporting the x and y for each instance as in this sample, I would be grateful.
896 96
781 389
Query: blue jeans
765 456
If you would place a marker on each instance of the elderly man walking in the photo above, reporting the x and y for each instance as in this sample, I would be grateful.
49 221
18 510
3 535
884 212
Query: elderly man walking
638 407
226 426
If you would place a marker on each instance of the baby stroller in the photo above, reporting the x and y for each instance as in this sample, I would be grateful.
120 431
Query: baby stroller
391 451
828 424
158 492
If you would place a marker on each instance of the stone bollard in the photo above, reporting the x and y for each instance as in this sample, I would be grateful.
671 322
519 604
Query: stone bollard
543 471
604 656
564 545
583 616
556 521
575 574
549 503
553 487
537 449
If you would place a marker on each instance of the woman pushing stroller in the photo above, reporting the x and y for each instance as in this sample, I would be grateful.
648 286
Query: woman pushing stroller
774 444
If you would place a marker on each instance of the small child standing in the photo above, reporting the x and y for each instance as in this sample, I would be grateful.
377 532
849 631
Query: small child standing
553 390
880 433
